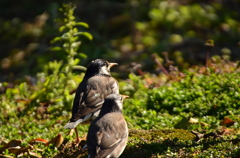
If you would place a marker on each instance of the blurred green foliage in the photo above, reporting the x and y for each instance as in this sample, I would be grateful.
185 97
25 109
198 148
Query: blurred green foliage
124 31
52 83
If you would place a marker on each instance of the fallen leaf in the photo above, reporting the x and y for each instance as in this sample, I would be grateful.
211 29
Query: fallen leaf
23 100
227 121
204 124
38 140
225 131
12 143
34 155
193 120
15 150
57 141
6 156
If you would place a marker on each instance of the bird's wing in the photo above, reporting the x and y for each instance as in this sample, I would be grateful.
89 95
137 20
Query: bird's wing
91 94
109 138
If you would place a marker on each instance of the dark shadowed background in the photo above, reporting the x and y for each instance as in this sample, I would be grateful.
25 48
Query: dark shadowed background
124 31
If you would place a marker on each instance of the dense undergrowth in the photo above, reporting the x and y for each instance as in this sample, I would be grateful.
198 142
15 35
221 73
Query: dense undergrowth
201 102
209 97
193 113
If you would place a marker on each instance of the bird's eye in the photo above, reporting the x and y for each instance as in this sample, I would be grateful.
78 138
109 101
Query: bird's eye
106 64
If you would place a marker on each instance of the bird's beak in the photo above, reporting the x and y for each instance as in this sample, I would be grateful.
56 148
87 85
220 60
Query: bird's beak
124 96
112 64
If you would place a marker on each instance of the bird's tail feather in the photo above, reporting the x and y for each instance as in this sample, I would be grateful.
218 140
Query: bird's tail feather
71 125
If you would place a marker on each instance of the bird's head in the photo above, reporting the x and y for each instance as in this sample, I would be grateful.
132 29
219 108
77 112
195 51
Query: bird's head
113 103
99 67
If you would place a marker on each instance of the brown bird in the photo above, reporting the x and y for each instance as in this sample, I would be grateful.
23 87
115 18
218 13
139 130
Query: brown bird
96 85
108 133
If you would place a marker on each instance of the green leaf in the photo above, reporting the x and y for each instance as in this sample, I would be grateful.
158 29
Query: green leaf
78 67
23 87
76 44
65 36
82 24
56 39
86 34
76 61
209 43
47 82
56 49
66 45
62 28
37 94
83 55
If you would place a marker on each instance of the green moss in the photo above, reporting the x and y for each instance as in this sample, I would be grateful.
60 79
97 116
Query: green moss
180 143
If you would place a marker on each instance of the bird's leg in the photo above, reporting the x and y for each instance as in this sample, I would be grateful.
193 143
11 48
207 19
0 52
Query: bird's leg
71 132
78 140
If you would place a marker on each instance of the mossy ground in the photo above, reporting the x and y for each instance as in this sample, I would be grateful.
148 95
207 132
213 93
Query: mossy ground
150 144
168 143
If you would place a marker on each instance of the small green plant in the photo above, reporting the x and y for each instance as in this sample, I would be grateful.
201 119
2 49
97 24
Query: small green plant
70 37
70 42
56 81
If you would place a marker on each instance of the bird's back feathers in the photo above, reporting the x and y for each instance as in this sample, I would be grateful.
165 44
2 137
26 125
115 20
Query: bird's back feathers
105 135
97 84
